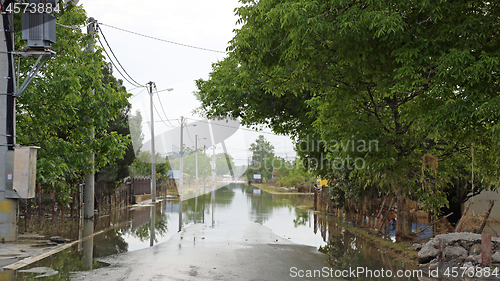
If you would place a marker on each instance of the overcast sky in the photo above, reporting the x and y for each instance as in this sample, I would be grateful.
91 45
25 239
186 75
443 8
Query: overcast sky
202 23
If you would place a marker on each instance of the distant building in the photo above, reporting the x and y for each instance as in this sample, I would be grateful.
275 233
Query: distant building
174 174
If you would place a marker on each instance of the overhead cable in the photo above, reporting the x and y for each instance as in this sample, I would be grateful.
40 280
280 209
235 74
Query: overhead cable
138 93
113 53
157 112
72 26
163 109
117 69
163 40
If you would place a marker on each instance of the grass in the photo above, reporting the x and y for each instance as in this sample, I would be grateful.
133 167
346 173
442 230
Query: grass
399 248
274 189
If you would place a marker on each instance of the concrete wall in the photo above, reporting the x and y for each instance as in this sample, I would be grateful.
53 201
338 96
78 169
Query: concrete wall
479 205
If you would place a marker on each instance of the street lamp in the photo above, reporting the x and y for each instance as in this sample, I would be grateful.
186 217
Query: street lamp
153 160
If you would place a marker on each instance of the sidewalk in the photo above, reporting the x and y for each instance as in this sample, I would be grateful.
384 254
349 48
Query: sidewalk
28 245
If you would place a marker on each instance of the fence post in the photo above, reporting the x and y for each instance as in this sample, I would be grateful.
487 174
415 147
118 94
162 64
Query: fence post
40 202
486 249
53 202
315 199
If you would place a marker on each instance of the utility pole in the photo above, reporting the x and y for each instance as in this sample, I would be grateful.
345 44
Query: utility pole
196 175
153 152
214 173
8 205
181 173
88 206
204 161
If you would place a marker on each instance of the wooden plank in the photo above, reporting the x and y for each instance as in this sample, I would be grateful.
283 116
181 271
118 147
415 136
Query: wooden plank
30 260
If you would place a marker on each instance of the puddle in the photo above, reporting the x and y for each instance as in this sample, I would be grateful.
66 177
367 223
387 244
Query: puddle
130 229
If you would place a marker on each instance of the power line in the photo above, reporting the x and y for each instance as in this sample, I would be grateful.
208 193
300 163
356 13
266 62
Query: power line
105 40
160 116
189 134
162 106
138 93
163 40
135 88
112 62
72 26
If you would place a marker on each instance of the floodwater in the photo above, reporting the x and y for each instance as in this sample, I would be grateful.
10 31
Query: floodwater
130 229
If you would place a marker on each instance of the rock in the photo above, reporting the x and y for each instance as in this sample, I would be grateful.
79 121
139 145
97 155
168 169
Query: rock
477 258
450 252
51 244
496 257
433 266
475 249
427 253
468 264
455 245
470 259
57 239
415 247
460 259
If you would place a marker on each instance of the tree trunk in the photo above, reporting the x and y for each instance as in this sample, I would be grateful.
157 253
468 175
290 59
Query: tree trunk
40 203
403 227
53 203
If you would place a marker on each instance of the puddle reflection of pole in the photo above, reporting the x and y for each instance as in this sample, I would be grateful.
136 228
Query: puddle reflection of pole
213 203
196 165
213 184
204 202
181 174
88 244
152 216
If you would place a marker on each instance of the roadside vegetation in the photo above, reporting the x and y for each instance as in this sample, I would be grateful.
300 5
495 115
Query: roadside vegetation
394 98
274 171
74 93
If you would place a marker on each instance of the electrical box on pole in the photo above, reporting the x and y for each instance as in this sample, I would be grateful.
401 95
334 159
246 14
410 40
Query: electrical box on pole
39 27
25 171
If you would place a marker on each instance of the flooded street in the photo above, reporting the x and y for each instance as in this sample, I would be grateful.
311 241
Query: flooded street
234 220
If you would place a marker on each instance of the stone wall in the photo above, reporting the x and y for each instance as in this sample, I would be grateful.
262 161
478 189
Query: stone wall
462 248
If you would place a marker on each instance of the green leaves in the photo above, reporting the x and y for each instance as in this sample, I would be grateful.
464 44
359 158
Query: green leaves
65 102
416 77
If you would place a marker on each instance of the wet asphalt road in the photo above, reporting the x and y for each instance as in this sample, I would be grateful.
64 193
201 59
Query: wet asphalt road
234 251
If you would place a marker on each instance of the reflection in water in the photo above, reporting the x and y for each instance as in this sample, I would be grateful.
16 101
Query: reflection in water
152 225
129 230
346 250
88 243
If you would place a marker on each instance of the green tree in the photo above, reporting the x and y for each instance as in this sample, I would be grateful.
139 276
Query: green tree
113 173
418 81
141 166
262 159
222 165
135 122
189 164
66 99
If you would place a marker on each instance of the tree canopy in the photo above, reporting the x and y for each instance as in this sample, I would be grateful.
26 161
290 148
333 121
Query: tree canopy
72 93
416 80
